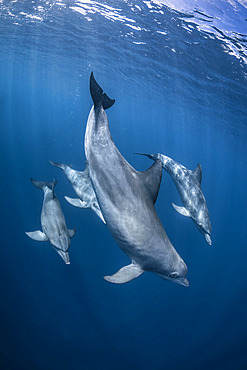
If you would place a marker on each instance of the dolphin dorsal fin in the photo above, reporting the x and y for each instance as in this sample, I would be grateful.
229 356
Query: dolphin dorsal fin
54 183
152 179
198 173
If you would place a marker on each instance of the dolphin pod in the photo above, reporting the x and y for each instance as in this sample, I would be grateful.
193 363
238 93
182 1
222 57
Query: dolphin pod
53 222
124 199
188 184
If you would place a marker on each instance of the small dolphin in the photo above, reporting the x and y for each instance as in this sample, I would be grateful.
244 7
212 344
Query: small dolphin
83 188
188 184
126 198
53 223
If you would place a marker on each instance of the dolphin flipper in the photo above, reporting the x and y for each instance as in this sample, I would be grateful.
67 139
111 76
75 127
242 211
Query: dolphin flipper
125 274
183 211
76 202
37 235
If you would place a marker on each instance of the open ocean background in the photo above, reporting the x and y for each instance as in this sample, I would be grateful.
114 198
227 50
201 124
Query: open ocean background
178 72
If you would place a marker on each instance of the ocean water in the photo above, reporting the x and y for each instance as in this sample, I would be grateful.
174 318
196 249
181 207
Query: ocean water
178 72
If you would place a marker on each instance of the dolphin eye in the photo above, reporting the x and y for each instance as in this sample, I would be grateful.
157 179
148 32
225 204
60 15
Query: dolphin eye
173 274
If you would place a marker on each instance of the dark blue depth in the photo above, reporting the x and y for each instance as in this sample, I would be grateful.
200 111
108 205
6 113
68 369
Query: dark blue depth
181 93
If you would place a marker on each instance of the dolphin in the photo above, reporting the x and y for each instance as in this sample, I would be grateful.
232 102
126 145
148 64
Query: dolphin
83 188
126 198
188 184
53 223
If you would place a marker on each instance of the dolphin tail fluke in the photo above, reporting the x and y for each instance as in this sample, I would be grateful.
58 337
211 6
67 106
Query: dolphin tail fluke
125 274
97 95
107 102
43 184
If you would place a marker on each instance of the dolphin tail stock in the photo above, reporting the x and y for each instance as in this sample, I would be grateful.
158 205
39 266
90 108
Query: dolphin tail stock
42 184
99 98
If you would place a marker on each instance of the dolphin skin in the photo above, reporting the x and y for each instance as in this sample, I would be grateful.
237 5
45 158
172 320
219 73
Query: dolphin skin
188 184
83 188
126 198
53 222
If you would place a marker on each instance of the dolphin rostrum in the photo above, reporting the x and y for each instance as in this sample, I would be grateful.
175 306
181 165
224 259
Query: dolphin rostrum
83 188
52 221
126 198
188 184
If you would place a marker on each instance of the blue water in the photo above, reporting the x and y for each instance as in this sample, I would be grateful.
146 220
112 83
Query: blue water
178 73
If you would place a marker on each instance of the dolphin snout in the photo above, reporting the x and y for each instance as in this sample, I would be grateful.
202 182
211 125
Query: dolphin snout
208 239
64 255
184 282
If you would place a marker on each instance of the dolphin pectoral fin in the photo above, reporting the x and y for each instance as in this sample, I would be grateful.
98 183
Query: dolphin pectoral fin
71 232
37 235
198 173
125 274
64 255
208 239
77 202
183 211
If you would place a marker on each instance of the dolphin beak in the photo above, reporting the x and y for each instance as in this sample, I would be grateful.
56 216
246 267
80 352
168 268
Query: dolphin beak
99 213
208 239
64 255
183 281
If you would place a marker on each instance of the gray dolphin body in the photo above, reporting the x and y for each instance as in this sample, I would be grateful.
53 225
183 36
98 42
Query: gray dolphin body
188 184
53 222
83 188
126 198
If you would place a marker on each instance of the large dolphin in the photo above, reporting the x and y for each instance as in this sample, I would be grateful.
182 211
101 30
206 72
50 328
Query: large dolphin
53 222
188 184
126 198
83 188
